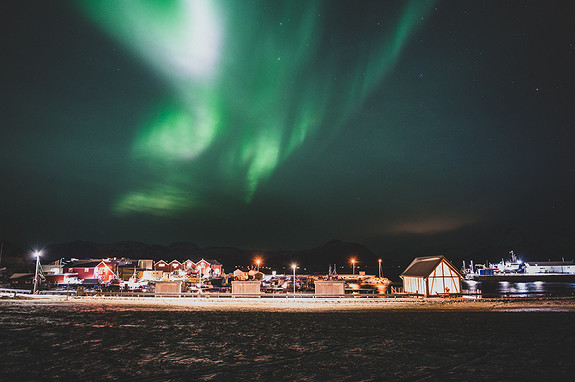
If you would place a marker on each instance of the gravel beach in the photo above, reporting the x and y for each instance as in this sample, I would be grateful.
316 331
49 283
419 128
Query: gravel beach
322 304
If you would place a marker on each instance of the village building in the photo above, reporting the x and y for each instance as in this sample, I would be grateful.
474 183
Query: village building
168 287
161 266
88 271
431 276
189 265
215 267
240 275
251 287
208 268
174 266
84 269
104 273
146 265
22 281
152 275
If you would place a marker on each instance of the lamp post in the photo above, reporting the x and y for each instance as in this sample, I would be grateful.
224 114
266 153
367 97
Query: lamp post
201 271
293 266
258 261
379 268
37 254
353 267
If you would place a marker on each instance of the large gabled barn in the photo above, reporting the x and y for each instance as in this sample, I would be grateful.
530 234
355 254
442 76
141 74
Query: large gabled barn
431 276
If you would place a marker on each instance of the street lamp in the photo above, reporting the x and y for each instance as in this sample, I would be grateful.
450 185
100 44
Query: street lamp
293 266
353 266
199 284
379 268
37 254
258 261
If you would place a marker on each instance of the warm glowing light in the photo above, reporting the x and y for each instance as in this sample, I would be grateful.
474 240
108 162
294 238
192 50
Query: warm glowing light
293 266
379 260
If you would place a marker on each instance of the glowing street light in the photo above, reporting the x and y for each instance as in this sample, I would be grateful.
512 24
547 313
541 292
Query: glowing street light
353 265
37 254
379 268
258 262
293 266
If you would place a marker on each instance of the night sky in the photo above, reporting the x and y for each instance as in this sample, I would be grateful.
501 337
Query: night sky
412 127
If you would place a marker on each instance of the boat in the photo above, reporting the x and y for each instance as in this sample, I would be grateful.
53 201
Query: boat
516 270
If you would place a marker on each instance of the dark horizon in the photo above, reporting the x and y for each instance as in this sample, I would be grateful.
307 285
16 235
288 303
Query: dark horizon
414 128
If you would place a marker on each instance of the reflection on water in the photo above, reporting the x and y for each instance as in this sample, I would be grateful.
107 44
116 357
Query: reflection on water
47 341
523 289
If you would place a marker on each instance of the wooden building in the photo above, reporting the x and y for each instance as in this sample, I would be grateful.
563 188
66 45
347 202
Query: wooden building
104 272
329 287
168 287
174 266
83 268
189 265
251 287
431 276
161 266
209 267
22 281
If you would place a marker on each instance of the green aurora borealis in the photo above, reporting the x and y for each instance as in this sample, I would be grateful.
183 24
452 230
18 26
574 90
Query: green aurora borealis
414 127
244 115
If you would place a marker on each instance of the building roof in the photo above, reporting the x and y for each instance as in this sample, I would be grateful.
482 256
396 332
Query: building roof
21 275
424 266
83 264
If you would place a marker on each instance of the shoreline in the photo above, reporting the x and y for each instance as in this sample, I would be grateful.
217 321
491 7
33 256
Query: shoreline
557 304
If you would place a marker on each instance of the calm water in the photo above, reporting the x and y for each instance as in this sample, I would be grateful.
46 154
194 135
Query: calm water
84 342
520 288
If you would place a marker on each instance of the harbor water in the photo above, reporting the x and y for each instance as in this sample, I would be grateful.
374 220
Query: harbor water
519 289
96 342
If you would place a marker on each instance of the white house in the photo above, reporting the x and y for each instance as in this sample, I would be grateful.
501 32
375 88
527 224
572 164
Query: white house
431 276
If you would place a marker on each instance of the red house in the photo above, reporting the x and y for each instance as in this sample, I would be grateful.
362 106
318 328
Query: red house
215 266
209 267
92 269
161 266
189 265
84 268
175 266
104 272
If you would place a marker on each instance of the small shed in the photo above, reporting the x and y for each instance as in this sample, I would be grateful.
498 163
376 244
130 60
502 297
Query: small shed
431 276
168 287
329 287
246 287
